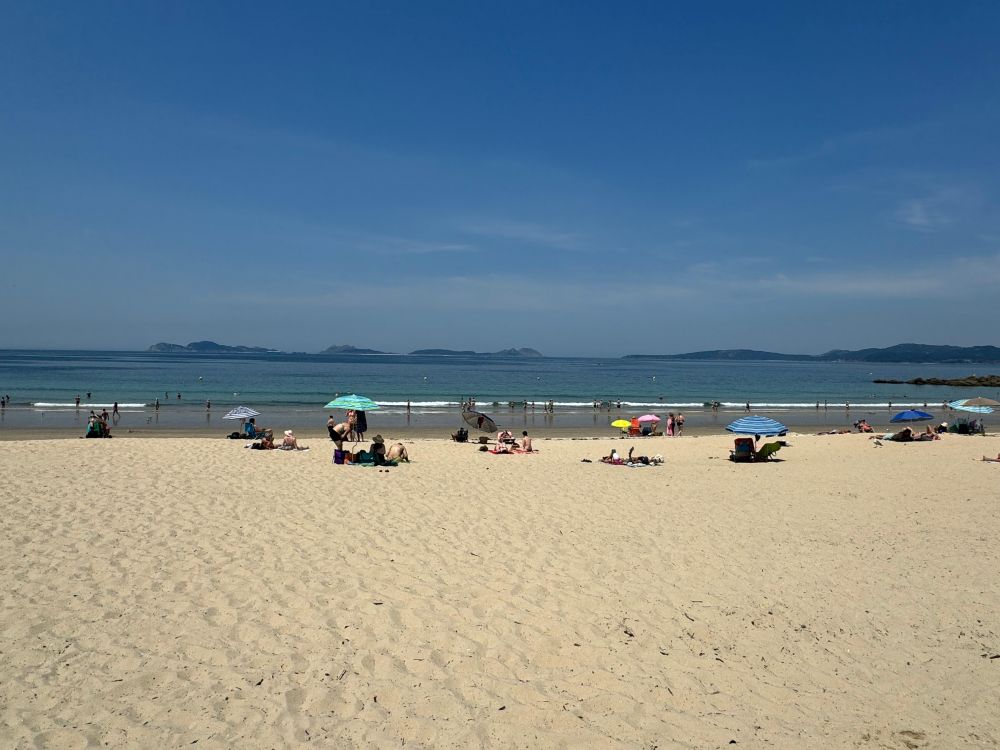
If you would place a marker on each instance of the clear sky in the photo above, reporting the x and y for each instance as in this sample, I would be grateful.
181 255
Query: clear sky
581 178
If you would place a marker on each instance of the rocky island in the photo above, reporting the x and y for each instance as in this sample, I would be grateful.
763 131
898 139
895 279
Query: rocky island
972 381
208 347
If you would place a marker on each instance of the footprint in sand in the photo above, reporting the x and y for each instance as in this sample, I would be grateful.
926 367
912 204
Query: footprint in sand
911 739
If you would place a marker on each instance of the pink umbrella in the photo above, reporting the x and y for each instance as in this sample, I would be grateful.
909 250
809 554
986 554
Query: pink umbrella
649 418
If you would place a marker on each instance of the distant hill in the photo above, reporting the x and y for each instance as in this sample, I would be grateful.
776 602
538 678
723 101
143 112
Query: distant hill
726 354
924 353
207 347
919 353
348 349
523 352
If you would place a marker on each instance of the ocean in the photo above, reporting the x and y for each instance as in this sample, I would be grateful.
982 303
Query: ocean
43 386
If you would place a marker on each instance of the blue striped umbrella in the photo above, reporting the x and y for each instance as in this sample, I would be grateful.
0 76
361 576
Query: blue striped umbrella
961 405
757 425
241 413
912 415
358 403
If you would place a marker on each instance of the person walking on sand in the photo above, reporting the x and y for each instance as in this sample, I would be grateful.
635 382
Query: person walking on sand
746 408
114 410
670 425
78 401
157 405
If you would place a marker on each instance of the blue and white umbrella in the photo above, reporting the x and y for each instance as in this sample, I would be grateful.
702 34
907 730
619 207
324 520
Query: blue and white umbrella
961 405
757 425
912 415
352 401
242 413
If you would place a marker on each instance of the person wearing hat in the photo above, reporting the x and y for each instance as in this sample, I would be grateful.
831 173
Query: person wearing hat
377 449
290 443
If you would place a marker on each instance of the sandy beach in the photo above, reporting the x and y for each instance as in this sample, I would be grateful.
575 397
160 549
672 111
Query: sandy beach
173 592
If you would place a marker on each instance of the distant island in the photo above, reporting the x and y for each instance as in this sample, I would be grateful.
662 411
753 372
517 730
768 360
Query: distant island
523 352
348 349
924 353
972 381
208 347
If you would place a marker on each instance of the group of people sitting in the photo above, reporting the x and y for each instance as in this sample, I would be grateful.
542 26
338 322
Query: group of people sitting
98 425
264 440
377 454
507 443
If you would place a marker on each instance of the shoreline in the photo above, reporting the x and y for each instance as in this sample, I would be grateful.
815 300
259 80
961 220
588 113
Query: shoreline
18 423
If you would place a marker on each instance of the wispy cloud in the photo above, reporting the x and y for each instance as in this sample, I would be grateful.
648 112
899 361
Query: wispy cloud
936 209
525 232
842 143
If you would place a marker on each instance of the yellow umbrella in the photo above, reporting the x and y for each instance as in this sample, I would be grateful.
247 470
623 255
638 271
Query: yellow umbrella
622 423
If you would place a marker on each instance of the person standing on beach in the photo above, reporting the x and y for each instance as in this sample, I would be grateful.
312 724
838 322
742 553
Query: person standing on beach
360 424
78 401
330 424
157 405
114 410
670 425
208 406
679 424
747 407
352 421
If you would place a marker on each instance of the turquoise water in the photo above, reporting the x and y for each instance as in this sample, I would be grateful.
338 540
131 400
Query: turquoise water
43 384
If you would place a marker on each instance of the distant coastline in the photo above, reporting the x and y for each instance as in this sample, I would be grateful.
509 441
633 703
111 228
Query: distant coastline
211 347
913 353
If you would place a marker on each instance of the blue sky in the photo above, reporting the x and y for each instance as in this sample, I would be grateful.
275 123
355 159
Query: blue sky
580 178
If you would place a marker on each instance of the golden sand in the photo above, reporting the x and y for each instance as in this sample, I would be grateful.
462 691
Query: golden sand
158 593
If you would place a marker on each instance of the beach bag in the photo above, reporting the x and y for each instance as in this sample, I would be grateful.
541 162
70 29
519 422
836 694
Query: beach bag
234 436
338 456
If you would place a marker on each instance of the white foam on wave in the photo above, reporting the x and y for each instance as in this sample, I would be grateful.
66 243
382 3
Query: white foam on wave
54 405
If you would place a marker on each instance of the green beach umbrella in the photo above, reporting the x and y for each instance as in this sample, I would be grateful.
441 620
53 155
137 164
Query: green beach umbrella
353 401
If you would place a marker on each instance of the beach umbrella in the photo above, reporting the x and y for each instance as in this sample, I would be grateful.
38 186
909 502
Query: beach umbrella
352 401
242 413
479 420
757 425
622 423
912 415
965 405
649 418
980 401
